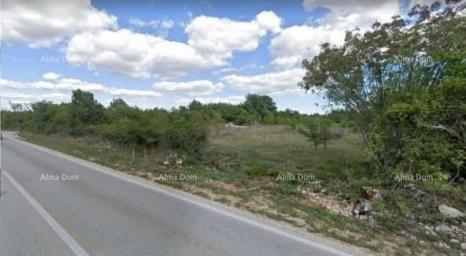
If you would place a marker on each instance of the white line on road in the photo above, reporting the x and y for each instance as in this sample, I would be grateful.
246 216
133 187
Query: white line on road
61 232
180 196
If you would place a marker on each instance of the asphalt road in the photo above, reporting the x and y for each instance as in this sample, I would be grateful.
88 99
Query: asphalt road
99 211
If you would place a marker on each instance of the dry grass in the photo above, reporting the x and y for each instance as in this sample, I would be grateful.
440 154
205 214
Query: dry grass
239 167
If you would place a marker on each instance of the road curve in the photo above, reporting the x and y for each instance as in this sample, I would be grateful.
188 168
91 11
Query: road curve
105 212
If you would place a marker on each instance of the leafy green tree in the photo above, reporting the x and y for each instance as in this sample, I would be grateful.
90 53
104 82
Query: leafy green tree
188 131
388 78
49 117
84 110
260 105
117 104
195 105
236 114
317 130
12 121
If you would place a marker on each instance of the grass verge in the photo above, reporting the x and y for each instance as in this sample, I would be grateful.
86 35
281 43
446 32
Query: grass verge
241 167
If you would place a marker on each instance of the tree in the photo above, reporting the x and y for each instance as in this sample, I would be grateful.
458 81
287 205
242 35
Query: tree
317 130
387 77
118 103
16 108
84 110
195 105
118 109
42 115
260 105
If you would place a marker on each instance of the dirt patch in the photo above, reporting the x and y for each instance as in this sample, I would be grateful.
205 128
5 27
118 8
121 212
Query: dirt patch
332 203
222 185
208 193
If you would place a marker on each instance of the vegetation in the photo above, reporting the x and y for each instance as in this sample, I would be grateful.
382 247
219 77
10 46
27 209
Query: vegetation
183 128
395 144
405 82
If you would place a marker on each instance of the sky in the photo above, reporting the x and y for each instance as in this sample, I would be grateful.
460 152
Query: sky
161 53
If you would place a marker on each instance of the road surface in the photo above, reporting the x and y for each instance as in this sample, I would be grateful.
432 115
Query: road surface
93 210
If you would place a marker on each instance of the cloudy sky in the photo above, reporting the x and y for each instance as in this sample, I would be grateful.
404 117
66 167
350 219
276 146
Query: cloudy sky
159 53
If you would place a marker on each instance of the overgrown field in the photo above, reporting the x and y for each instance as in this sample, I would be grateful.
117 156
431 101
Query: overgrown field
273 171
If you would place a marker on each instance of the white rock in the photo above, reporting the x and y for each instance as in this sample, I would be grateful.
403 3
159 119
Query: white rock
463 246
454 241
367 207
450 212
443 228
442 245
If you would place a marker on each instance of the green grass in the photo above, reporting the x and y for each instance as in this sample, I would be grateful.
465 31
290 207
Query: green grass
249 159
262 152
87 148
281 147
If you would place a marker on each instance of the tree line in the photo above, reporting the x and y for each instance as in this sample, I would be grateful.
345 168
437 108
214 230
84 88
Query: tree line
184 128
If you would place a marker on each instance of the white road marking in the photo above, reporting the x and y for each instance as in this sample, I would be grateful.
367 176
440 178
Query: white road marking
61 232
180 196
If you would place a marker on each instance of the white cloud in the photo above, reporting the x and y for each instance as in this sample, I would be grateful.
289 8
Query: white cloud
225 70
47 22
190 88
140 23
269 83
24 98
166 24
4 83
229 70
54 84
162 27
211 43
219 37
295 43
234 99
53 81
51 76
228 99
361 13
134 54
131 93
269 21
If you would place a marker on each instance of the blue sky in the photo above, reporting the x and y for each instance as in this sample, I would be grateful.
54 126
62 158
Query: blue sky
167 53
